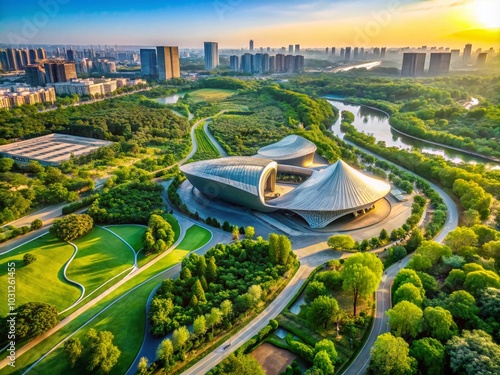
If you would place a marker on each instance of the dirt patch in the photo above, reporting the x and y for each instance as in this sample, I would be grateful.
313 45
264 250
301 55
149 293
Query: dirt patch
273 360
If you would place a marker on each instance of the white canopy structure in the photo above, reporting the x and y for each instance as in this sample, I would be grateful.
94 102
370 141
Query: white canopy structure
291 150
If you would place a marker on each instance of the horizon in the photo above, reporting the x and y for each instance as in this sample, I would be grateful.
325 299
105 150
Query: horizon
320 24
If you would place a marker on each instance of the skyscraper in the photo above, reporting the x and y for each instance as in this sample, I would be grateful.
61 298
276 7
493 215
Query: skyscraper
439 64
481 59
298 66
382 52
266 63
289 63
297 49
41 54
168 63
342 53
333 51
258 62
211 55
70 55
11 58
356 54
413 64
290 48
251 45
57 71
234 62
35 75
347 54
148 62
467 53
247 63
279 63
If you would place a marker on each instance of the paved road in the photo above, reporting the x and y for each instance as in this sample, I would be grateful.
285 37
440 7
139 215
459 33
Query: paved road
210 136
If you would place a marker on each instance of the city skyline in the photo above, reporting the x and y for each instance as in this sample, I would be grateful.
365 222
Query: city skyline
278 23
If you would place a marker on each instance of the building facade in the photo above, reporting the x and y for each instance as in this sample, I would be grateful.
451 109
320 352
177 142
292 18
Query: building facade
413 64
168 63
211 55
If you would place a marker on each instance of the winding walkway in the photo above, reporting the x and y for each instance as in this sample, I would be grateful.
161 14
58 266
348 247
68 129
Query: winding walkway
72 281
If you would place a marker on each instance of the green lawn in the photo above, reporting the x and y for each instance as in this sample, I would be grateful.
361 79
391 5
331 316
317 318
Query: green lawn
47 271
206 149
209 95
126 318
131 233
101 256
195 238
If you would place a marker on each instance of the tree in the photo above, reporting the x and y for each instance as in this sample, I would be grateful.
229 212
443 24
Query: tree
6 164
390 356
202 266
36 224
249 232
142 366
322 361
226 308
384 236
29 258
211 272
474 353
477 281
73 349
241 365
360 280
438 323
366 259
255 291
72 227
489 303
213 318
159 236
396 253
455 280
409 292
328 347
492 250
285 250
461 304
429 283
199 325
341 242
485 234
428 254
35 318
405 319
415 240
471 217
165 353
102 355
430 354
159 315
315 289
406 276
323 311
274 251
198 291
180 337
235 232
460 237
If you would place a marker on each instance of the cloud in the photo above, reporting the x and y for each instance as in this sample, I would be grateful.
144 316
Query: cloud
425 5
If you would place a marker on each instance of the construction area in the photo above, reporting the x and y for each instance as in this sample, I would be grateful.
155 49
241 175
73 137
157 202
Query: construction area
51 149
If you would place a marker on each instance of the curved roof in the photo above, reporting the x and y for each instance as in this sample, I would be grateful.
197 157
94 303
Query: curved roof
336 188
290 147
243 172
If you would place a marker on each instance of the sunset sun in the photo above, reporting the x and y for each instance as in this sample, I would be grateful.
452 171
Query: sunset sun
488 13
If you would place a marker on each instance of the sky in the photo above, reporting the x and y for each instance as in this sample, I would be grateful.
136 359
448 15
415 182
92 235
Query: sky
232 23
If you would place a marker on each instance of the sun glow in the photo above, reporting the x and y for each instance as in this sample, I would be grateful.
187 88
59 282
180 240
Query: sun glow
488 13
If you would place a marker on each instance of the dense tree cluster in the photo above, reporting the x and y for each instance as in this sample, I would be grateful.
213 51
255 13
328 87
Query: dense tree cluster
129 203
447 310
241 273
159 236
71 227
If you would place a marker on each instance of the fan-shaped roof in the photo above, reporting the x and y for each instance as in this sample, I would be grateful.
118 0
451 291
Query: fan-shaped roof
290 147
336 188
243 172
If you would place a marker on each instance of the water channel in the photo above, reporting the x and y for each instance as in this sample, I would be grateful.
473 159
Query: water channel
374 122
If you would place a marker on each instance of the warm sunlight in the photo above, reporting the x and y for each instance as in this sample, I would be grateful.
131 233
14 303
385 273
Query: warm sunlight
488 13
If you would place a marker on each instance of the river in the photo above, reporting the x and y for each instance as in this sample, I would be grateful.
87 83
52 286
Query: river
172 99
374 122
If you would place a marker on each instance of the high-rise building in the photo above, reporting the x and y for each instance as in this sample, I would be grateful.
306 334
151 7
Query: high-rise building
272 64
297 49
413 64
298 66
279 66
333 51
355 56
247 63
4 62
455 54
258 62
70 55
481 59
290 48
211 55
35 75
289 63
326 50
467 53
41 54
33 57
382 52
439 64
148 62
266 63
250 46
12 58
168 62
347 54
234 63
57 71
376 52
342 53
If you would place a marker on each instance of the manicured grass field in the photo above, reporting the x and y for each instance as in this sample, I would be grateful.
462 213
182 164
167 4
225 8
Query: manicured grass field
101 256
206 150
209 95
126 319
131 233
41 281
195 238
